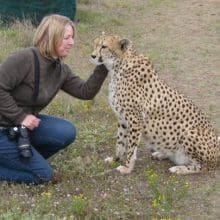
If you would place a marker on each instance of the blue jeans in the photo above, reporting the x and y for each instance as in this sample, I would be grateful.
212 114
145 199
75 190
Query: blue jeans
52 135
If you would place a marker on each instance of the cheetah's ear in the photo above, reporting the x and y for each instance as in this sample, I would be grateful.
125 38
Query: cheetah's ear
124 43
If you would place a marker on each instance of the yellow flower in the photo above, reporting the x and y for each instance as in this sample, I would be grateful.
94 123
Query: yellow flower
155 203
187 185
46 194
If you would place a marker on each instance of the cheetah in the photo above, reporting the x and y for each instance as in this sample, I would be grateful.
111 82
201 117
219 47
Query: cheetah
147 108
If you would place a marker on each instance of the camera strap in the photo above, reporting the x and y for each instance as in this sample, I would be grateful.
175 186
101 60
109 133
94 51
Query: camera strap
36 76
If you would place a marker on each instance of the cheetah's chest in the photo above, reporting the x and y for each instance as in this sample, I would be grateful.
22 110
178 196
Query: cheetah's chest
115 95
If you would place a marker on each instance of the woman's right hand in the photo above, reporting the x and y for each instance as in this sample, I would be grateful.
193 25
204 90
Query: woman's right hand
31 122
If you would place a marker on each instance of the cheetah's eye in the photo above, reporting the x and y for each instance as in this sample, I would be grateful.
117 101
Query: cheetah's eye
103 47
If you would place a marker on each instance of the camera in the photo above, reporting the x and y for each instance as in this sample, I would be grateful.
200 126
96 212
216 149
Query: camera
21 135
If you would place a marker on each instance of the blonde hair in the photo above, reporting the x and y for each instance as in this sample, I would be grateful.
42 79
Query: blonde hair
49 33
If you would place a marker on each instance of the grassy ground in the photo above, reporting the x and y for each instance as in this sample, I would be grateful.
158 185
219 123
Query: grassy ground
182 39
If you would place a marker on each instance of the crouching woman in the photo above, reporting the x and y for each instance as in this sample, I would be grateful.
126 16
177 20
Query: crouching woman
29 80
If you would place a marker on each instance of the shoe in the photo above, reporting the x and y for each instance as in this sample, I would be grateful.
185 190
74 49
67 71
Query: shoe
57 178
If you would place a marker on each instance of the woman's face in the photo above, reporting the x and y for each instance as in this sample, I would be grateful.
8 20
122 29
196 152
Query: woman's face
63 48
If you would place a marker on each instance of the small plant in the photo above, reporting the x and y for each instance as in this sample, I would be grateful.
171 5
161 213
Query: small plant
114 164
44 203
79 205
166 193
86 106
46 196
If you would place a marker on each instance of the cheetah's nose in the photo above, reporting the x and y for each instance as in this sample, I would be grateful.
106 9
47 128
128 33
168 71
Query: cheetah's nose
93 56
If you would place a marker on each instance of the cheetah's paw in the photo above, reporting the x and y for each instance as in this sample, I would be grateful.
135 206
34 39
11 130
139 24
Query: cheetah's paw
183 170
109 159
158 155
177 169
123 169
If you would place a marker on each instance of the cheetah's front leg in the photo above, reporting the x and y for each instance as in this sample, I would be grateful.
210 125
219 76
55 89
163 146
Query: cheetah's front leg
133 139
121 143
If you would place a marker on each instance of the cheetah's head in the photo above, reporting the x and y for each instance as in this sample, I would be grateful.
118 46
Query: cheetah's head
108 49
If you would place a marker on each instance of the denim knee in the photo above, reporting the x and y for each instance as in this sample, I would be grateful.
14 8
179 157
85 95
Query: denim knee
52 135
69 132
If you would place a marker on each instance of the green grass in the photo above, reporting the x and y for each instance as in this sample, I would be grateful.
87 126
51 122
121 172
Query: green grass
167 195
16 36
176 39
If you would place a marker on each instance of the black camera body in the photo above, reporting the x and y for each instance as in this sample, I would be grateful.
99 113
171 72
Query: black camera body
21 135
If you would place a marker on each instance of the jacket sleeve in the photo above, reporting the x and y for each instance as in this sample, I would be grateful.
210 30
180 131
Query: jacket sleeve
81 89
12 72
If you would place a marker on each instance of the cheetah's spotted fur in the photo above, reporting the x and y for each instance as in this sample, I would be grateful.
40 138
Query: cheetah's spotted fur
147 107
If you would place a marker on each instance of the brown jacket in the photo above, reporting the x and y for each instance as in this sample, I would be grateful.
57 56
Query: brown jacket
17 85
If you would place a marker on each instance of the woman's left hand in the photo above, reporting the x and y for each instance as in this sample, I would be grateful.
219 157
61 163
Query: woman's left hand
30 122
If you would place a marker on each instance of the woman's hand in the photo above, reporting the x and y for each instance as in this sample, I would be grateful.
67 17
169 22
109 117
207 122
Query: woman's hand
30 122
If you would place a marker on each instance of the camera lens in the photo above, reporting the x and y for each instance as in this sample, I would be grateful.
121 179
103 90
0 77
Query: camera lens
24 145
25 151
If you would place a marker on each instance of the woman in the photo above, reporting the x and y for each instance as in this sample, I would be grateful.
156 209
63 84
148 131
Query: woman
29 79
